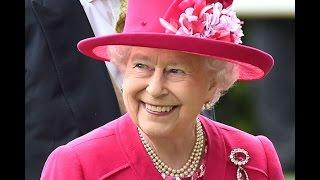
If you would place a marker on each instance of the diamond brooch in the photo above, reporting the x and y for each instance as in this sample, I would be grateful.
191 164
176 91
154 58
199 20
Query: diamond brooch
240 157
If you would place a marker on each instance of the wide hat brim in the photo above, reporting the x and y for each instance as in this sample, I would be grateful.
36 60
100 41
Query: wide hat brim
253 63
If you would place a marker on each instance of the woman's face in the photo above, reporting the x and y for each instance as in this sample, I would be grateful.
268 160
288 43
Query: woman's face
164 90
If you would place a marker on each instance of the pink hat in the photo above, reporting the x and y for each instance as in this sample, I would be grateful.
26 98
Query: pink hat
202 27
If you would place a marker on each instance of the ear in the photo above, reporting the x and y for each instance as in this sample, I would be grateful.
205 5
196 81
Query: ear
211 90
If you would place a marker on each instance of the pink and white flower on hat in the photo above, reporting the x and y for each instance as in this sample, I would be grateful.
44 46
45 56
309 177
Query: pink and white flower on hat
206 21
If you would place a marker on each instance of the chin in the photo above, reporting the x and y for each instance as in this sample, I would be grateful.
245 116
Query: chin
156 129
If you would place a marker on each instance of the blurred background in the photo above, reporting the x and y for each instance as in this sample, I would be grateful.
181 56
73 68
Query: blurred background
267 107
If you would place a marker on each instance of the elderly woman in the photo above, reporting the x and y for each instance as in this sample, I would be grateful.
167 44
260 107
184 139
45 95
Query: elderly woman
177 57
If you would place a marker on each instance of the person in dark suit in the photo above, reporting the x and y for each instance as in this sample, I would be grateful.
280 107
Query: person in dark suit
66 95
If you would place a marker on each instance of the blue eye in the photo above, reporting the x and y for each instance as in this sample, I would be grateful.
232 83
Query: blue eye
140 66
176 71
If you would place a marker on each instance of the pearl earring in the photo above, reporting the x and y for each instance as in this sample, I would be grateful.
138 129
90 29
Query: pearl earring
207 106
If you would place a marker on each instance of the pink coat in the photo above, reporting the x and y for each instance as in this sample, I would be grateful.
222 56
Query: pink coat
114 151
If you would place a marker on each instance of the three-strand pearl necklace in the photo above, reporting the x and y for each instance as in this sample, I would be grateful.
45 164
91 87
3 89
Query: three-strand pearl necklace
188 169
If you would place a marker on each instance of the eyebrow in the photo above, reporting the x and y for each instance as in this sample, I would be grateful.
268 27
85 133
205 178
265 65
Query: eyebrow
140 56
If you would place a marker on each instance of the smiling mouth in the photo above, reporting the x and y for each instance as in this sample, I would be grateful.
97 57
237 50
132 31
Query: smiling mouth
158 110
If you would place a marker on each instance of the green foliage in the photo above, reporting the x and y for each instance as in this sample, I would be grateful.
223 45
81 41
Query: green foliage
236 108
290 176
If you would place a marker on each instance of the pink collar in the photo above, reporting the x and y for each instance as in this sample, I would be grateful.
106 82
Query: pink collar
129 141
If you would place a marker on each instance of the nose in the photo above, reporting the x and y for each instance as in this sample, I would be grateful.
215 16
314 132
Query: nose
156 84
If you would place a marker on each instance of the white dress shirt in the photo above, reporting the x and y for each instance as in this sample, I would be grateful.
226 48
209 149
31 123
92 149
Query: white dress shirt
103 16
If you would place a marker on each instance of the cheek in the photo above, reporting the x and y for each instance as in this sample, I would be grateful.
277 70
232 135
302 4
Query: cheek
193 101
194 97
131 90
131 104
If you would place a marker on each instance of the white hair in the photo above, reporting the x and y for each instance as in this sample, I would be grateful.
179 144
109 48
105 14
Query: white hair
224 74
119 55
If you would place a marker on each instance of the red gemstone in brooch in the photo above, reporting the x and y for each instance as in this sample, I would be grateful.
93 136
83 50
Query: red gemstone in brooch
240 157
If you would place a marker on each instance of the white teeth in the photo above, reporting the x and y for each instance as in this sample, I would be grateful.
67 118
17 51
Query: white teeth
159 108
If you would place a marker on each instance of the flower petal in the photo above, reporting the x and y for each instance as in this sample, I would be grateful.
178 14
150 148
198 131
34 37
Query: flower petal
167 25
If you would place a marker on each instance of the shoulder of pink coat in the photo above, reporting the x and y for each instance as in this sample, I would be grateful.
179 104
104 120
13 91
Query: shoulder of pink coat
95 155
264 161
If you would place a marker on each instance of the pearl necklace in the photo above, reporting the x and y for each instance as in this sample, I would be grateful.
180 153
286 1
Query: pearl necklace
188 169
